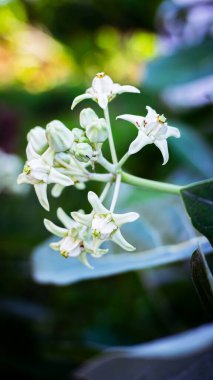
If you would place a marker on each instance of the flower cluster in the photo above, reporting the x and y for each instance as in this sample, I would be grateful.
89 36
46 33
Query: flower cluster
86 232
63 157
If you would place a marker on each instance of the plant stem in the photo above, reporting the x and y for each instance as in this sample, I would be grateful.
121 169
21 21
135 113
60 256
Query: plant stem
116 191
111 141
105 191
106 164
151 185
108 177
123 160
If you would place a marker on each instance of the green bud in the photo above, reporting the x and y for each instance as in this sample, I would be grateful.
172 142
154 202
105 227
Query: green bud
83 152
38 140
59 137
87 117
97 132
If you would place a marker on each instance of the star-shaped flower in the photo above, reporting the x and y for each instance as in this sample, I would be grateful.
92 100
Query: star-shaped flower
152 129
39 171
103 90
76 239
104 224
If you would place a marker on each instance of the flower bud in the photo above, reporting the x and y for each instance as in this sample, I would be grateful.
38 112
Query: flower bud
87 117
61 157
83 152
97 132
38 140
78 133
59 137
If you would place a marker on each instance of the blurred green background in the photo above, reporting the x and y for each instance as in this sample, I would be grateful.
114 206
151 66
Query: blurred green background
49 52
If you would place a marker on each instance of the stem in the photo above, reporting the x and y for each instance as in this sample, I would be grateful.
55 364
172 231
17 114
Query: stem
69 167
79 165
100 177
111 141
106 164
151 185
105 191
123 160
116 191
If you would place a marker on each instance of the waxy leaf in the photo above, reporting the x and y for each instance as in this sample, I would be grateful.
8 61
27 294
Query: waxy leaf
178 66
50 268
198 200
203 280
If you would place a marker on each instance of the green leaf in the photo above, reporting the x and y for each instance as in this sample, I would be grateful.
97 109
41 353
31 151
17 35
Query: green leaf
178 68
198 200
50 268
203 280
193 142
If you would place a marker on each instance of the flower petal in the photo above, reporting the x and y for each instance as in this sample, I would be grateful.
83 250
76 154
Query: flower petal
55 230
83 259
102 100
64 218
118 238
121 89
48 156
57 190
41 192
55 246
163 146
129 217
31 153
56 177
96 203
22 178
134 119
151 114
172 131
85 219
102 84
79 99
141 140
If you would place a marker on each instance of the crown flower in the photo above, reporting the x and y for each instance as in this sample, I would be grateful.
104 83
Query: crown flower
39 172
103 90
62 156
76 239
104 224
152 129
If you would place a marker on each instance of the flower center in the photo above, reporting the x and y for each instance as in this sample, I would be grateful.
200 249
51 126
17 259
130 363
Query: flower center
27 169
65 254
161 119
103 226
100 75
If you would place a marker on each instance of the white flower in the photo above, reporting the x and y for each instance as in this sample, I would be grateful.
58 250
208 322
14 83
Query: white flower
103 90
151 129
104 224
37 138
39 171
59 137
95 127
76 239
